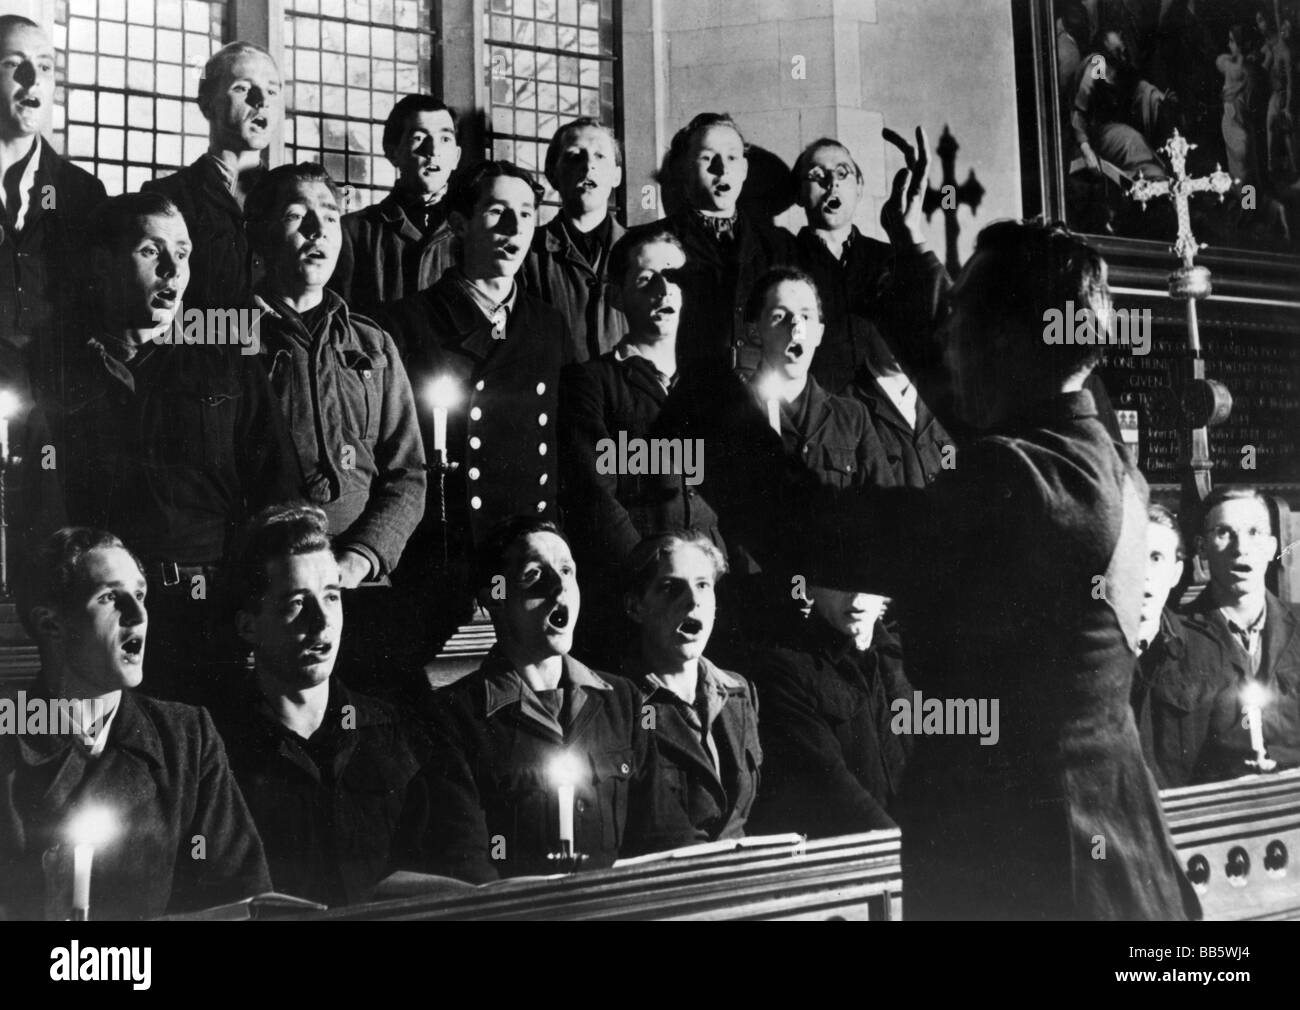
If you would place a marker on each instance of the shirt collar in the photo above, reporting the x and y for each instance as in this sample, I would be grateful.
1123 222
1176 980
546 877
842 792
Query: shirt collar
224 174
496 313
625 351
26 183
504 686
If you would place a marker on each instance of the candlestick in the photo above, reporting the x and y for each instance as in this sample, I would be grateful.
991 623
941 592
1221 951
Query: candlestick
1253 699
565 772
8 408
91 827
443 393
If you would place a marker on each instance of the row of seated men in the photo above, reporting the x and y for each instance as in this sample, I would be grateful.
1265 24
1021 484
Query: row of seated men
321 791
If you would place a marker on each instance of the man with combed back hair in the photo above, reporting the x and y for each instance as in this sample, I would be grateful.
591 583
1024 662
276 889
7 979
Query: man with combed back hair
1019 578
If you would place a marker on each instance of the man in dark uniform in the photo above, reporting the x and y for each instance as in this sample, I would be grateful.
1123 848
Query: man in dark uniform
833 764
1257 634
240 97
898 288
530 724
154 773
1179 669
329 774
705 718
569 267
727 249
173 444
403 243
620 396
46 202
996 568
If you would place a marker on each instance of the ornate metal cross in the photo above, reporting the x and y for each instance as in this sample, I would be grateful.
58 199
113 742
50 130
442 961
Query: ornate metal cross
1203 401
950 196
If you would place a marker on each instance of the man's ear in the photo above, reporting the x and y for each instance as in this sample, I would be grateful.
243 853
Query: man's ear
618 177
245 627
632 607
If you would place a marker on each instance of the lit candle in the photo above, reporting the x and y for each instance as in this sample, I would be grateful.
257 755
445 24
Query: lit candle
91 827
1253 697
565 772
769 390
8 408
443 393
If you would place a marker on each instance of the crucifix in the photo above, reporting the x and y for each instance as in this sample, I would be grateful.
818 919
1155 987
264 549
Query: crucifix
949 196
1202 401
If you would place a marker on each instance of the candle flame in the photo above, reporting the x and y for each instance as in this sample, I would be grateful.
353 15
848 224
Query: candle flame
443 391
92 826
9 404
565 770
1254 695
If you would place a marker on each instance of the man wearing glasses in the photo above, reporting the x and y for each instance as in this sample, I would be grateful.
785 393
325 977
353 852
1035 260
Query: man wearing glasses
1258 636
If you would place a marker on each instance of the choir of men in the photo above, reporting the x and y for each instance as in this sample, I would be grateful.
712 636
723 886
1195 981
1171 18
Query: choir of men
792 399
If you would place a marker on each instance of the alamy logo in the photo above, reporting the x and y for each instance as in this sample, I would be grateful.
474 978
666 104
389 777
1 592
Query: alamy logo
653 456
102 964
1128 328
38 716
946 717
214 328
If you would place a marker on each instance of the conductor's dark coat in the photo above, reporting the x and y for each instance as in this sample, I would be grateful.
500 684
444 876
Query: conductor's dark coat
996 569
495 808
504 431
164 778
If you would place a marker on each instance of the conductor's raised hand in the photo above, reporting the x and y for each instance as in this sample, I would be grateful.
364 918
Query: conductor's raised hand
901 215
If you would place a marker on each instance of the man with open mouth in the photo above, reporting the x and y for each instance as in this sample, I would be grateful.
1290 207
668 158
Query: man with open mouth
154 772
1257 634
330 774
706 718
532 719
403 243
345 396
170 444
42 263
569 267
240 97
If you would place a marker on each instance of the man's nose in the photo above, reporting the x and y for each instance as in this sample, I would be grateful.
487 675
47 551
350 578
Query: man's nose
715 165
133 612
256 97
658 286
508 223
314 617
167 266
25 75
798 328
311 224
424 148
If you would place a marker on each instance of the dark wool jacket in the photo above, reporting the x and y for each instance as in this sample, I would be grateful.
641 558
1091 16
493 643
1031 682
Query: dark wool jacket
496 811
915 454
345 396
503 432
994 568
901 292
185 842
173 453
833 764
385 257
716 800
716 282
339 812
1228 745
221 263
43 267
560 275
1175 683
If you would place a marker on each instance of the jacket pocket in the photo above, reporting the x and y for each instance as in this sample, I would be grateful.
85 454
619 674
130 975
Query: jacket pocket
194 426
361 386
611 774
839 464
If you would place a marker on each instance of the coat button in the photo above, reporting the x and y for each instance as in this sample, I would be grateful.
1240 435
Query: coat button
475 413
475 442
541 448
541 389
624 768
473 473
541 506
543 478
542 419
476 503
690 492
479 385
581 806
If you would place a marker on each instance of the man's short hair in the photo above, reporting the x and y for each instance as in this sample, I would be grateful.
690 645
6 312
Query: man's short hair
641 565
219 64
54 577
626 248
778 275
110 223
8 22
1161 516
465 190
490 555
1232 492
561 137
279 531
682 139
408 106
1027 269
263 199
805 156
